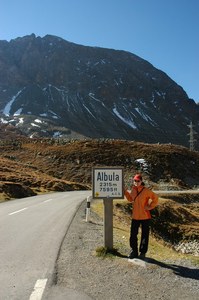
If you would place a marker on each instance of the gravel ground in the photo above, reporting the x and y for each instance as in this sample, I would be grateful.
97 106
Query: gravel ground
79 270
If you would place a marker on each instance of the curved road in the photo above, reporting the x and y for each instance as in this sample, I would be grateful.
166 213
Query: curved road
31 232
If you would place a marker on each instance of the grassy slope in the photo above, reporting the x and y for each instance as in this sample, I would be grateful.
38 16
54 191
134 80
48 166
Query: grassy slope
158 249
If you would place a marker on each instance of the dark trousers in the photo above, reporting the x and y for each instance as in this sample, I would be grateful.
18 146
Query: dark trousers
135 224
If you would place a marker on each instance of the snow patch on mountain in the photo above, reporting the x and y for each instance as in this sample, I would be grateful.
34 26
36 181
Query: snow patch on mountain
3 121
37 121
126 121
91 95
145 116
35 125
18 112
57 134
20 121
89 111
7 108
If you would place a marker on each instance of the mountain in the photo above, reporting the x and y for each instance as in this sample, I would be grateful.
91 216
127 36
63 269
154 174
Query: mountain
50 87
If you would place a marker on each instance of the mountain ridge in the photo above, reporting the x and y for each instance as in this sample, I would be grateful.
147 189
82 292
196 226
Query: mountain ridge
96 92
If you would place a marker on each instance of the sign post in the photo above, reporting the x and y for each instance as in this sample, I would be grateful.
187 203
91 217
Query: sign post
108 223
108 184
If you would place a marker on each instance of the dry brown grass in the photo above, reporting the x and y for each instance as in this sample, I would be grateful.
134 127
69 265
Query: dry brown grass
158 248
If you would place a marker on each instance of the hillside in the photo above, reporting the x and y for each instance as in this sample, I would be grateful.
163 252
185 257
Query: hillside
39 164
29 167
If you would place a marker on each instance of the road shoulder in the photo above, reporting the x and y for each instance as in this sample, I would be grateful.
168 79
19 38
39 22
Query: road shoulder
79 270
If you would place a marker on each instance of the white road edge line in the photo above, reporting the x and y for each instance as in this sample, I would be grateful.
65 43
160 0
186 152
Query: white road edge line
38 289
17 211
47 200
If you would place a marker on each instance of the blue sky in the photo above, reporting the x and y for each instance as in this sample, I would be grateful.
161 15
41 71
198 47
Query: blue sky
163 32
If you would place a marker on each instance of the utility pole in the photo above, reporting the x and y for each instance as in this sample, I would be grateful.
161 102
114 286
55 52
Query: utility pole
191 136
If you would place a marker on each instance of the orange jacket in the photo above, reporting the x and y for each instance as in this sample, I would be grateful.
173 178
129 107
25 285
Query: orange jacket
142 197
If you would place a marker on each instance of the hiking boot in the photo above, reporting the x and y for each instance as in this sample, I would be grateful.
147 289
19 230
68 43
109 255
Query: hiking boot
133 255
142 255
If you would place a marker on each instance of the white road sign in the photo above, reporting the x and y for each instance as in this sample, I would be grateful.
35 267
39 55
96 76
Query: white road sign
108 183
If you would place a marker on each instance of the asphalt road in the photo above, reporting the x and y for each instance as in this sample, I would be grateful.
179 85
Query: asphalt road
31 232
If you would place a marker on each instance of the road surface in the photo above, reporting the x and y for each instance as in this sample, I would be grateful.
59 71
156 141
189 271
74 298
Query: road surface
31 232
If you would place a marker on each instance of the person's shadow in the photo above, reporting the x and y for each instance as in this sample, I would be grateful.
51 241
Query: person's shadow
186 272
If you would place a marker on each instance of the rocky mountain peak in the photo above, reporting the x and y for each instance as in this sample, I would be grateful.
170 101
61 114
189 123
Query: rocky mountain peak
96 92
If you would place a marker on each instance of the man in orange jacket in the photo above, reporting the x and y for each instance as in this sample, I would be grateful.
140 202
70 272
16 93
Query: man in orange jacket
143 201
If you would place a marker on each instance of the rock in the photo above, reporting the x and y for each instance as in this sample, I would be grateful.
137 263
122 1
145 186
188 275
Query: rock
16 190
